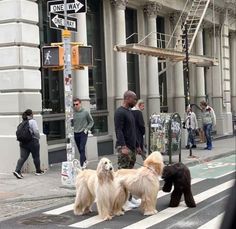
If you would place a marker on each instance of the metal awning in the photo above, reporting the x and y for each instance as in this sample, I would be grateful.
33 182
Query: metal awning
172 55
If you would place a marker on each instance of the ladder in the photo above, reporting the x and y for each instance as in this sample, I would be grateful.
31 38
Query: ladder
193 20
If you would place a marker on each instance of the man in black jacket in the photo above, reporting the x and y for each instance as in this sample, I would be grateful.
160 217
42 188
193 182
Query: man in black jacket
126 143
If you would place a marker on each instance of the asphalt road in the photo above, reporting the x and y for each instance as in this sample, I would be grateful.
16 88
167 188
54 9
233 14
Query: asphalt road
211 186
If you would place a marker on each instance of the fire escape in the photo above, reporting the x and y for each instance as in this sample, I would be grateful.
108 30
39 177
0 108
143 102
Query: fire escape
168 46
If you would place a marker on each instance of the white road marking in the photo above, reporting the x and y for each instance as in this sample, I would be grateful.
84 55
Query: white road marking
95 219
214 223
224 174
169 212
60 210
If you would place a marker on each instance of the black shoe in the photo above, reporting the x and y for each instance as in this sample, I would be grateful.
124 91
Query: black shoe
187 147
194 146
39 173
18 175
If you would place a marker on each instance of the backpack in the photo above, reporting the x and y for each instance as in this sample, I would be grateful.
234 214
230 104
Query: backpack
23 133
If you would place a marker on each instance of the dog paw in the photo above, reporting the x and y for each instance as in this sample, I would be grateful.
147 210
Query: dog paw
107 217
119 213
153 212
78 213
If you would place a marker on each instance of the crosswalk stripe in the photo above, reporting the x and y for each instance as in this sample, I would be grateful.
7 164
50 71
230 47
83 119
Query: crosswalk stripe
225 174
88 222
95 219
169 212
193 181
69 207
60 210
214 223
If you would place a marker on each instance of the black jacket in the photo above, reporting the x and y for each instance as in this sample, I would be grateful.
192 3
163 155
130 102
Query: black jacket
140 126
125 128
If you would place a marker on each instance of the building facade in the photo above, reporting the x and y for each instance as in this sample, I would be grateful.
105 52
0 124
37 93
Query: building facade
24 30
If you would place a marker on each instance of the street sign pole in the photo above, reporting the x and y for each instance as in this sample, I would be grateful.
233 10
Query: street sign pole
68 96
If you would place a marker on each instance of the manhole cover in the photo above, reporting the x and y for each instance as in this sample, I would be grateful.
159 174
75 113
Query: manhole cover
44 219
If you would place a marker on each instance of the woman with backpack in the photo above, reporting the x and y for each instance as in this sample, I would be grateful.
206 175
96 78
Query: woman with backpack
28 135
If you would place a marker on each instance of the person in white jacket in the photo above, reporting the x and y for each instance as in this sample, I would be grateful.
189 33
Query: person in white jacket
208 121
191 125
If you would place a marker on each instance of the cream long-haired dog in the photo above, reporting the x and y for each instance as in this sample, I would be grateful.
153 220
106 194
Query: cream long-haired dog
100 185
144 182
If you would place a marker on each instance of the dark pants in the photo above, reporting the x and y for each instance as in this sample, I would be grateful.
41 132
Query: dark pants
25 150
207 131
81 140
191 136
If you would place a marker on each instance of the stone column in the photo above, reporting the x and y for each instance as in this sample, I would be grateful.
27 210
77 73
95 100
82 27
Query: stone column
20 79
200 79
151 10
121 77
80 77
179 97
233 71
209 51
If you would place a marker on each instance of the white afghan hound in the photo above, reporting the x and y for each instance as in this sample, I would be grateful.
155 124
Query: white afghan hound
144 182
99 185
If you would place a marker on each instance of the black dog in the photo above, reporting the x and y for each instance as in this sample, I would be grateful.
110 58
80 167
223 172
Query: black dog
179 175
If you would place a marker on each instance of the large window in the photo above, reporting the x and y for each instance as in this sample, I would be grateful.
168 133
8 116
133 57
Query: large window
132 60
52 84
160 22
97 74
52 81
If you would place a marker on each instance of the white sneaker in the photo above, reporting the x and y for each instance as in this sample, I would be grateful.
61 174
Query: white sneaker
129 205
136 202
85 165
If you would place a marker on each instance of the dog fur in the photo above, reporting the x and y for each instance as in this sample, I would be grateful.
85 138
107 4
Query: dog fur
178 175
143 182
99 185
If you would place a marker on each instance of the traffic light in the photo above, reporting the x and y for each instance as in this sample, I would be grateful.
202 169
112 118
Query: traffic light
52 56
82 56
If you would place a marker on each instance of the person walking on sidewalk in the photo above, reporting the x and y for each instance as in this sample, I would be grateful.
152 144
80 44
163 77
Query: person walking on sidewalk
83 122
126 143
32 146
139 125
208 121
191 125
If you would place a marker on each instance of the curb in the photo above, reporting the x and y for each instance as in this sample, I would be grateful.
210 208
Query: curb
210 158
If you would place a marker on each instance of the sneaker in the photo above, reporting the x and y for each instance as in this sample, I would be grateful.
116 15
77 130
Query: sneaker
85 165
136 202
194 146
206 147
39 173
187 146
129 205
18 175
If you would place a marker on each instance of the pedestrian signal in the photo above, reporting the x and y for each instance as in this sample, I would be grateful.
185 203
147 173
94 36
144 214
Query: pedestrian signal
52 56
82 56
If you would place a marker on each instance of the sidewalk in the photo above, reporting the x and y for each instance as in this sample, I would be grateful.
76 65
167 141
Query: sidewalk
48 187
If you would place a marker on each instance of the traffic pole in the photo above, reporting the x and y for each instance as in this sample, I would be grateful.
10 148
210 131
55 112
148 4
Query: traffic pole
69 168
68 96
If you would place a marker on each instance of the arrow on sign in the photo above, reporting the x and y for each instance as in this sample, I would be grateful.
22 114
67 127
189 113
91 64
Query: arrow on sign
58 21
61 22
73 6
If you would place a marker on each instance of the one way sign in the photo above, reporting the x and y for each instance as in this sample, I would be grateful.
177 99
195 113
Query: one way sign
72 6
57 21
